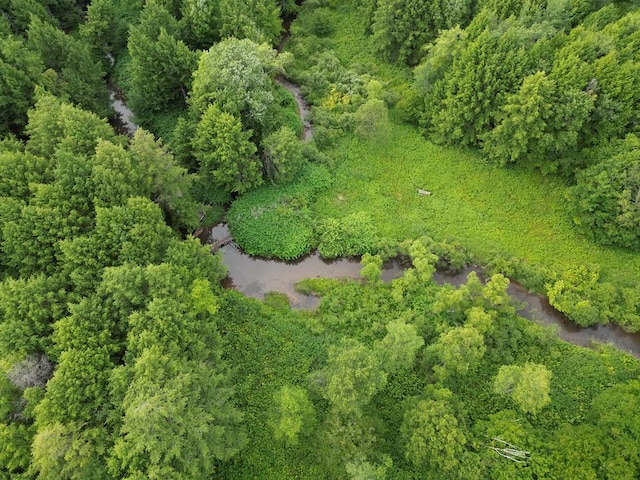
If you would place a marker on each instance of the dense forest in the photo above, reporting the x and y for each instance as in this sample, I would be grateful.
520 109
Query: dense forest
122 355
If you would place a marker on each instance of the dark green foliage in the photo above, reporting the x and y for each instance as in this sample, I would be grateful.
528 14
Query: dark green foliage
225 153
276 221
106 25
484 70
606 200
159 373
402 27
540 125
257 20
285 110
74 72
20 70
161 65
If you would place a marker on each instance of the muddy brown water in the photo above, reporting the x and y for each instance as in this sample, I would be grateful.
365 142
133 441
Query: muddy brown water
122 120
255 277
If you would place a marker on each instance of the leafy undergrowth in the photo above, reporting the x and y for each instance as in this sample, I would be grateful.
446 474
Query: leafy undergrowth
489 210
276 221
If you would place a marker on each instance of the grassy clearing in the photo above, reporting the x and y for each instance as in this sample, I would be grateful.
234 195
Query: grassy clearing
507 211
490 211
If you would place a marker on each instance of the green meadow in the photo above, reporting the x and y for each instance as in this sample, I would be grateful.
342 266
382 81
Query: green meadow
510 212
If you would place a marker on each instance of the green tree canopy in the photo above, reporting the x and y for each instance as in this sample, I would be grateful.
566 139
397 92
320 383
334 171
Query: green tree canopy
606 200
432 433
354 375
225 152
527 385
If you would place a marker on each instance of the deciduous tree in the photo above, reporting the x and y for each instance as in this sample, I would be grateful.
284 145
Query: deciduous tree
527 385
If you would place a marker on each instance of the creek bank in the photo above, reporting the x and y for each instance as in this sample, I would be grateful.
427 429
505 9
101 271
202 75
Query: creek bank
254 277
303 107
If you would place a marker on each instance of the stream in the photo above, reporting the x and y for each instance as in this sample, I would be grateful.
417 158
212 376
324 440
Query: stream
256 276
122 119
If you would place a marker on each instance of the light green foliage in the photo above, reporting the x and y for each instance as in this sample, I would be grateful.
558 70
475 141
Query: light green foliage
578 452
617 428
177 420
15 448
54 124
613 412
134 233
294 415
276 221
354 375
399 347
371 119
432 433
317 286
114 175
527 385
18 170
282 155
459 350
234 75
193 260
352 235
371 268
202 297
69 452
456 304
606 199
363 470
119 232
416 278
31 242
225 152
77 391
177 414
28 308
580 294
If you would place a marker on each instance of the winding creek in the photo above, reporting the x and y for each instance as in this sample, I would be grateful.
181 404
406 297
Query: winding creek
256 276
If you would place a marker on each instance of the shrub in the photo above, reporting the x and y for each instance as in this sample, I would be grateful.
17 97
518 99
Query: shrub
275 221
352 235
